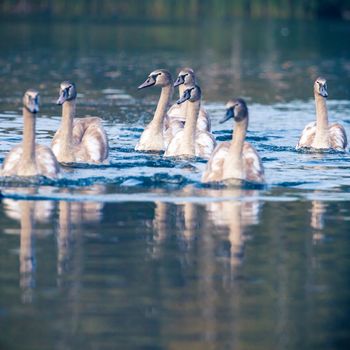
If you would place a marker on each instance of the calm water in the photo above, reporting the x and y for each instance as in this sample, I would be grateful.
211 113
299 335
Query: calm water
138 254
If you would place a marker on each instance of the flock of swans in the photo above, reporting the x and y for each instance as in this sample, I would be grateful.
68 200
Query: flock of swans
183 130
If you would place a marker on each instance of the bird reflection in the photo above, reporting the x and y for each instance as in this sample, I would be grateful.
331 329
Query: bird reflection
318 209
235 214
88 211
27 261
64 238
172 218
75 215
43 209
31 213
28 213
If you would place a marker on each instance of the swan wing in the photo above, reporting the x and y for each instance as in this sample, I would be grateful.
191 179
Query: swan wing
205 144
174 127
175 112
215 165
307 136
337 136
253 167
174 147
203 121
93 139
10 164
151 139
46 162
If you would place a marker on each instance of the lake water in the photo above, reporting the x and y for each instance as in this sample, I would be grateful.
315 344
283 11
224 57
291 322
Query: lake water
138 254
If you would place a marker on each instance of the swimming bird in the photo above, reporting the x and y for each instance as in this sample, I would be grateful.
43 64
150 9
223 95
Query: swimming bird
80 140
237 159
189 141
186 79
156 135
321 134
29 158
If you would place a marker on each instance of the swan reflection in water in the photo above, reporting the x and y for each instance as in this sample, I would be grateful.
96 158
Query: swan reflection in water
72 217
36 217
28 214
225 220
234 214
318 210
211 230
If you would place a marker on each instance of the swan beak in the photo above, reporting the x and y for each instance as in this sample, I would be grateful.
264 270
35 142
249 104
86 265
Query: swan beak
63 98
229 114
186 96
180 80
33 105
150 81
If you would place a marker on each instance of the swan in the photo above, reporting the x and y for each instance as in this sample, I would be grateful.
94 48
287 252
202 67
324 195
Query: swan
29 158
236 159
80 140
189 141
186 79
156 135
319 134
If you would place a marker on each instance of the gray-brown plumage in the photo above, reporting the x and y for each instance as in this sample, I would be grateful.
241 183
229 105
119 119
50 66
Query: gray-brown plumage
237 159
81 140
321 134
29 158
190 141
186 79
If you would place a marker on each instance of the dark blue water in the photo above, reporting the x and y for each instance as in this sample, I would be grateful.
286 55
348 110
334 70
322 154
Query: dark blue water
138 254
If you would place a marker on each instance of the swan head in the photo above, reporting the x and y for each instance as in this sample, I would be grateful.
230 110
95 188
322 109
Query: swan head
159 77
67 92
186 77
191 94
320 87
31 101
236 109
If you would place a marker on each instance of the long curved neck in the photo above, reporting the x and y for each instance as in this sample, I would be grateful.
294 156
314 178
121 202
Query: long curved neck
184 106
68 114
321 120
189 132
28 155
238 138
162 107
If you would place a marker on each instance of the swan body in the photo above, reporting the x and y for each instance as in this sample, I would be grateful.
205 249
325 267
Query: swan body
186 79
203 147
29 158
190 141
82 140
336 137
152 138
319 134
237 159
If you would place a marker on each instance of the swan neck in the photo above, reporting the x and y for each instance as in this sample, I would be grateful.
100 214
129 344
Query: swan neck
184 106
28 155
162 107
321 114
68 114
190 127
238 138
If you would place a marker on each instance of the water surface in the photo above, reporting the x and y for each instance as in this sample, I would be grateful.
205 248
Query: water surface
138 254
